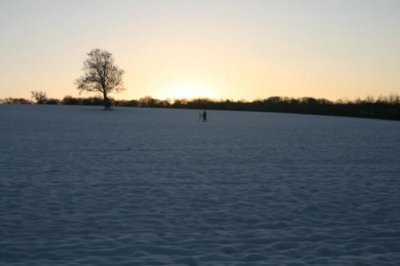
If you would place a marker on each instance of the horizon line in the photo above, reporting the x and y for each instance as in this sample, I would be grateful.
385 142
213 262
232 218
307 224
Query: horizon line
347 99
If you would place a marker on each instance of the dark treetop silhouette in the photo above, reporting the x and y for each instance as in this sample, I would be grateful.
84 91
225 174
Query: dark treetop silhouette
39 96
101 75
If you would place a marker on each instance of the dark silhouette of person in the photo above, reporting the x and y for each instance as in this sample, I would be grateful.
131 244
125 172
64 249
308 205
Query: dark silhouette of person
204 115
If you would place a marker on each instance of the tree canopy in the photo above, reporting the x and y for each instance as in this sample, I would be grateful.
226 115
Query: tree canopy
101 74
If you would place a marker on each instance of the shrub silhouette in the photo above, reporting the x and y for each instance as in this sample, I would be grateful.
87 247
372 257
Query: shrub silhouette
384 107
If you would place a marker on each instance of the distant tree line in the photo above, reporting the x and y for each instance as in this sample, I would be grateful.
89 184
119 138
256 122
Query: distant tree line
384 107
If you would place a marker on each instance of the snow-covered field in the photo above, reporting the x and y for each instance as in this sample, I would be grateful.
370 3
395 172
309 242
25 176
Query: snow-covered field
81 186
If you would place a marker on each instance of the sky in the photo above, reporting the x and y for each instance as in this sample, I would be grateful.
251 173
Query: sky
221 49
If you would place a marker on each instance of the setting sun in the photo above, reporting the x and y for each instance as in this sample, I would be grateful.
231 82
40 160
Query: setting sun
187 90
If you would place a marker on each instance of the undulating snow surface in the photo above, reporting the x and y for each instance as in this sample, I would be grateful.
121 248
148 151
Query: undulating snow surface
82 186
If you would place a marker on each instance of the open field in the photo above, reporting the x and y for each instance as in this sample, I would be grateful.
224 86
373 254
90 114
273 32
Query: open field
143 186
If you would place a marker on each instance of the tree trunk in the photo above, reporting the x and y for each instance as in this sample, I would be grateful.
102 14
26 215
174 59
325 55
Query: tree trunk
107 103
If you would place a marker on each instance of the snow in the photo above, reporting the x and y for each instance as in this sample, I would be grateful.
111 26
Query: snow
142 186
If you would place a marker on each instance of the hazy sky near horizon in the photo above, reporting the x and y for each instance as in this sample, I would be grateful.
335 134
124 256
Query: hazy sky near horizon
234 49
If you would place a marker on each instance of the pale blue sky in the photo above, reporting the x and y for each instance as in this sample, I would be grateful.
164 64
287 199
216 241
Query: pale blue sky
221 49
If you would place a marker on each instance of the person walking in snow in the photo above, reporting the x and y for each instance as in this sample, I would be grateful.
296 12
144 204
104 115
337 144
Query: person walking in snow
204 115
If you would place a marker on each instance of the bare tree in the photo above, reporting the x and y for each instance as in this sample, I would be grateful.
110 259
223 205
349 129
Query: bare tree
39 96
101 75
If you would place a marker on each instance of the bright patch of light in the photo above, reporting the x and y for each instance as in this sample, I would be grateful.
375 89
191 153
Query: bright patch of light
188 90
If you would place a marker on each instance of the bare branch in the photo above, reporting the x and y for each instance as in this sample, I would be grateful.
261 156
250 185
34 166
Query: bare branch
101 75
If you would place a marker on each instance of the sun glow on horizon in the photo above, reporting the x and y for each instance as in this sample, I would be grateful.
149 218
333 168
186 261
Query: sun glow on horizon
187 90
237 50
